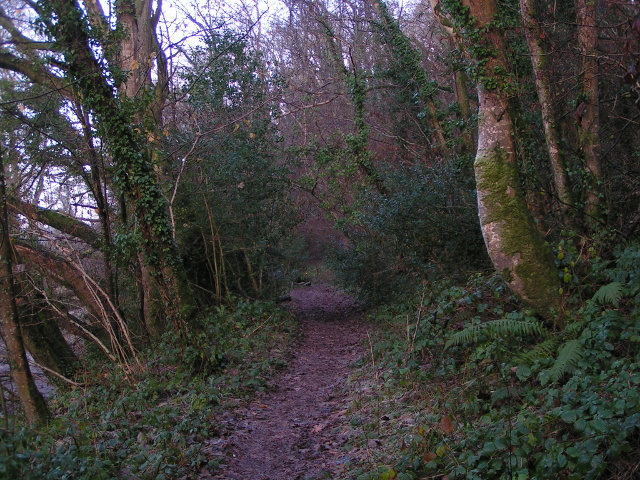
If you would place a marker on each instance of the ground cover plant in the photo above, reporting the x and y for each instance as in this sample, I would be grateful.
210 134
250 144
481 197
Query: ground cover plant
159 420
473 386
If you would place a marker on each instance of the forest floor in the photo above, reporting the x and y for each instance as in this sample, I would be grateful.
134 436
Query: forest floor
299 429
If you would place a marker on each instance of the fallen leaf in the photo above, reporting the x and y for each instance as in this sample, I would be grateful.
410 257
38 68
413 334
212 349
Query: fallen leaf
447 425
429 457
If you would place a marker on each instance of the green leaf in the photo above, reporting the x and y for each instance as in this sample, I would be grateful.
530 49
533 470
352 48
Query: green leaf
610 294
523 372
497 329
500 443
568 356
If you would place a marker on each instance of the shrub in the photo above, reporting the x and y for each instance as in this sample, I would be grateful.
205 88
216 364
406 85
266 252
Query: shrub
427 227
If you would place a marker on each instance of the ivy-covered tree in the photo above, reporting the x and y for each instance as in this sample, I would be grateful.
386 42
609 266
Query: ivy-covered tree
514 243
103 68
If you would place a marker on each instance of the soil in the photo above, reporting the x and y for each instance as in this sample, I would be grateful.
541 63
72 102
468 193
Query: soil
296 431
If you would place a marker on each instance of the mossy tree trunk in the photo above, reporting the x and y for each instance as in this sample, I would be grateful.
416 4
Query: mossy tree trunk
516 247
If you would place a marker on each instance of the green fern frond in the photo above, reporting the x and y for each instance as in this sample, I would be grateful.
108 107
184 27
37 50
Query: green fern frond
545 349
496 329
569 355
609 294
468 335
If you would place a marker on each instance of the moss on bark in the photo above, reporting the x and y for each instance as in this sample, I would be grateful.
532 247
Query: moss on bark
516 247
515 244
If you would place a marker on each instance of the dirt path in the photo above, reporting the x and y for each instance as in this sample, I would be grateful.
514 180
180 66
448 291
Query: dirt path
295 431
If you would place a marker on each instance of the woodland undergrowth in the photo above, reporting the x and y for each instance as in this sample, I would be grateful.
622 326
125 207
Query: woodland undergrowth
158 420
464 382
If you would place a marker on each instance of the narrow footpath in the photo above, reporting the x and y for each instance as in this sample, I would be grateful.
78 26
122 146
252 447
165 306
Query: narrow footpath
296 431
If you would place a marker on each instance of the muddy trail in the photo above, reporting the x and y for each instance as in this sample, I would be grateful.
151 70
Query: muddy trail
296 430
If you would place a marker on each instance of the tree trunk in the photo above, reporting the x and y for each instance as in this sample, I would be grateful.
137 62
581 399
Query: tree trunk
358 142
133 169
516 247
35 408
67 275
588 115
409 59
541 73
139 50
460 85
45 341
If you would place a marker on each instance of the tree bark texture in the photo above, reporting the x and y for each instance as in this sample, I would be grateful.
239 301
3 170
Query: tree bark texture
588 114
539 62
33 404
515 245
139 50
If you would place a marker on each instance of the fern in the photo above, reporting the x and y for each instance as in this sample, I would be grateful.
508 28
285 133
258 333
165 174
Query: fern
545 349
609 294
495 329
569 355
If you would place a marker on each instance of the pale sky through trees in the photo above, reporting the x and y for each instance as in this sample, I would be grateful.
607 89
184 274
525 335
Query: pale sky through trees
239 14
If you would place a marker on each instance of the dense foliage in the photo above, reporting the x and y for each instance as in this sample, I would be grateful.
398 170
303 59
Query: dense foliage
485 391
236 220
425 226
